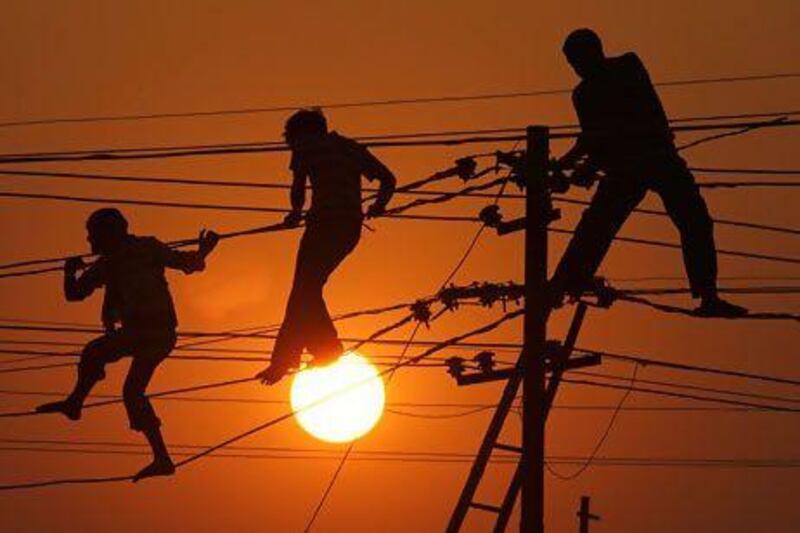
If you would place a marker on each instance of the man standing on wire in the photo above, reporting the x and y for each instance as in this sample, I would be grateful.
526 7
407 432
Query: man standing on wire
137 297
334 165
626 134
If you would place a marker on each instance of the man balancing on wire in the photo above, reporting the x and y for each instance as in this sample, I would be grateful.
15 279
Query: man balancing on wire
625 133
334 165
136 298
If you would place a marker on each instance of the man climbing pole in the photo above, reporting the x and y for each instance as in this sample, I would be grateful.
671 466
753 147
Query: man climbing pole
334 165
137 298
626 134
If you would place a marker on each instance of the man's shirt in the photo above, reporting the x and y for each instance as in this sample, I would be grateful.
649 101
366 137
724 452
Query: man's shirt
137 293
334 166
621 115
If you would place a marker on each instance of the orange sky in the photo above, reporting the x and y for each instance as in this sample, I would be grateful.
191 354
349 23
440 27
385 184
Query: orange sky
96 58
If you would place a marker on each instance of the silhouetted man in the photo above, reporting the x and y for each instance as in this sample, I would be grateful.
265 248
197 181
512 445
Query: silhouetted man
334 164
626 134
137 298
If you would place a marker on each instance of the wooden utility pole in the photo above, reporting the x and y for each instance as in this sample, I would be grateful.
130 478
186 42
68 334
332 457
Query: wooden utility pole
536 358
537 212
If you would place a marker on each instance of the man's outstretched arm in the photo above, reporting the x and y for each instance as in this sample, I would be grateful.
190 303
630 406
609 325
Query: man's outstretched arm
189 262
375 170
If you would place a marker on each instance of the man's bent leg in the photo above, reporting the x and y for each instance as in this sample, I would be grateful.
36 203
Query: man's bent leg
91 369
611 205
141 414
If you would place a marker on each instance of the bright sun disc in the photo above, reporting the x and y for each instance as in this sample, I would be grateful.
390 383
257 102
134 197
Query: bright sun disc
347 415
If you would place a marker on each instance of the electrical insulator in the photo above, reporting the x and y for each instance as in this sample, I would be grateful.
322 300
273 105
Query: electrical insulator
455 366
466 167
485 361
491 216
422 312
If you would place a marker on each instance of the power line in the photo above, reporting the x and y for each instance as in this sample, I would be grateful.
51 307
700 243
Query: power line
748 184
192 388
723 135
280 145
278 227
754 171
212 449
178 349
441 218
720 221
215 207
146 203
403 190
651 279
205 334
20 369
377 103
593 455
183 346
437 176
51 366
204 357
219 150
648 361
386 454
689 387
374 338
435 347
674 246
446 196
392 406
637 361
438 196
680 395
672 309
468 409
671 291
381 456
390 342
207 182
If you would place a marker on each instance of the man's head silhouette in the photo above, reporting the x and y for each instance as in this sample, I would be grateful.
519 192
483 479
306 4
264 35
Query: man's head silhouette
106 229
584 51
306 125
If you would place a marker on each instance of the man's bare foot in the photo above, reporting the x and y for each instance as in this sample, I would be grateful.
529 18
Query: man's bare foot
719 308
159 467
67 408
272 374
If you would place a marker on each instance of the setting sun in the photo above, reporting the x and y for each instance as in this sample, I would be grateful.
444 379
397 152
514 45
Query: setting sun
346 416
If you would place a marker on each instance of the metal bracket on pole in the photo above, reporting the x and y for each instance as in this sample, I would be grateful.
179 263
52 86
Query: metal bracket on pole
552 367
